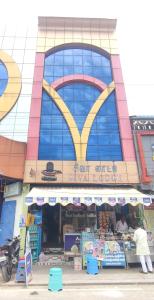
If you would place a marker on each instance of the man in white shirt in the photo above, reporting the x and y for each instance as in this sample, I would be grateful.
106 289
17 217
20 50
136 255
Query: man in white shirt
142 249
121 225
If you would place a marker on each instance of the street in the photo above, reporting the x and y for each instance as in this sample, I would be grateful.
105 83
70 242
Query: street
98 292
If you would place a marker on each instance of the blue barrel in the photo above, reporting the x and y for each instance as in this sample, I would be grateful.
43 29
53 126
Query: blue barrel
92 265
55 279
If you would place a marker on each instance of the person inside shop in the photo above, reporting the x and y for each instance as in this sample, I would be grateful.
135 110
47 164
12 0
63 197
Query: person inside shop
142 248
121 225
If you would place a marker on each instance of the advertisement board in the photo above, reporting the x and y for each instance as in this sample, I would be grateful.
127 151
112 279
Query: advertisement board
28 266
113 254
71 240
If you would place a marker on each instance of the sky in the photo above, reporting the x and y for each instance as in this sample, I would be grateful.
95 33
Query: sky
135 33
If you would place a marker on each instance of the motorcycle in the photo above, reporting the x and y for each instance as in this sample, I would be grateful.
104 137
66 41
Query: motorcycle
9 254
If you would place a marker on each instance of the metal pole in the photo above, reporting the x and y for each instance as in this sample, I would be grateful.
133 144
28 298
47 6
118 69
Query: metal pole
60 224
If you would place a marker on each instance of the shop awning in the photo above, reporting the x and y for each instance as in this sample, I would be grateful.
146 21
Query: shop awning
87 196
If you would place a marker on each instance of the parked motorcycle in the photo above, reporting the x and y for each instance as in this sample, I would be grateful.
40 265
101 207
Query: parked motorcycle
9 254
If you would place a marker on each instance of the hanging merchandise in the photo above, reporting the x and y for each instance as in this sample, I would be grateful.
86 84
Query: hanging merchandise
106 219
29 220
37 216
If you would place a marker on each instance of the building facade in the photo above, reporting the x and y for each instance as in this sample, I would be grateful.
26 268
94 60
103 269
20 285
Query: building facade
64 110
143 133
79 118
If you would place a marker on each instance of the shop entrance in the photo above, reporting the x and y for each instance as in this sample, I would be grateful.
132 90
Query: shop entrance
51 226
81 230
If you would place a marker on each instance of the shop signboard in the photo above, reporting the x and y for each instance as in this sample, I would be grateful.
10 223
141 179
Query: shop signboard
28 266
138 124
98 172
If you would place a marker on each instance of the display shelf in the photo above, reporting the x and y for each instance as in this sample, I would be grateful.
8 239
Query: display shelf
80 218
35 241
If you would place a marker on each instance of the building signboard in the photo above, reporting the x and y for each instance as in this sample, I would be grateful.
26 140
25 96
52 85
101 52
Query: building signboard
98 172
142 124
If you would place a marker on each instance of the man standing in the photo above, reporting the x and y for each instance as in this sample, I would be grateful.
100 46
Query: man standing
142 249
121 225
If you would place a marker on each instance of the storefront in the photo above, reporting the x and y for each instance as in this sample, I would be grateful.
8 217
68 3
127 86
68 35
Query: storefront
83 221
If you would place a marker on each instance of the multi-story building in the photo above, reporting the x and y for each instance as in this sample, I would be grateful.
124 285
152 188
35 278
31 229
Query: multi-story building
143 134
63 95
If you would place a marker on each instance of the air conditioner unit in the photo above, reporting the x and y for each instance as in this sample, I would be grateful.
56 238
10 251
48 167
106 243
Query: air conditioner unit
12 189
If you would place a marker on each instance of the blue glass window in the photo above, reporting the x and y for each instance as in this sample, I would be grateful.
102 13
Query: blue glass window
3 78
55 138
56 142
108 137
77 61
80 99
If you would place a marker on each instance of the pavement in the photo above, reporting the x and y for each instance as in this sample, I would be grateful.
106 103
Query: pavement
72 278
104 292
